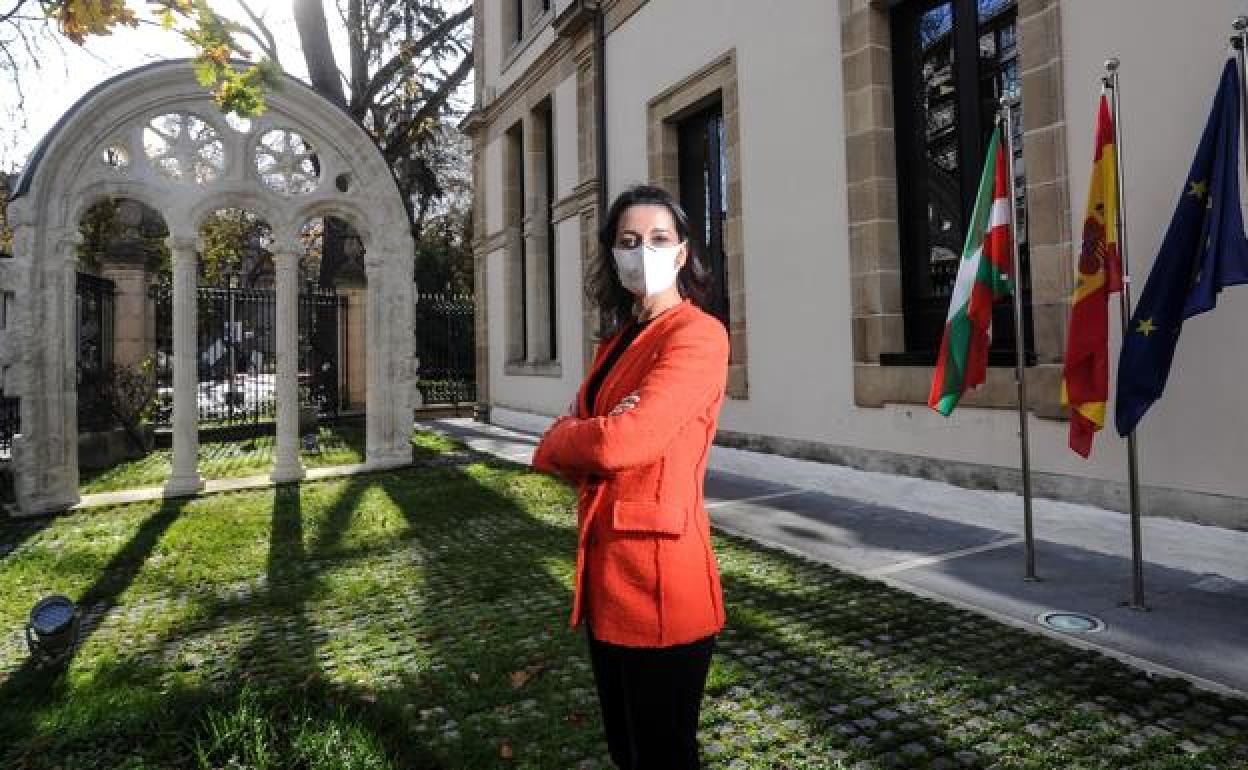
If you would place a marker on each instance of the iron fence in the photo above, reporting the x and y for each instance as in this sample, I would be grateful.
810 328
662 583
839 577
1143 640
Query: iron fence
10 423
445 348
94 325
237 353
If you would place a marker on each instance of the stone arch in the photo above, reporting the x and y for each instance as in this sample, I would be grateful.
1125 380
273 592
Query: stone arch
352 214
284 167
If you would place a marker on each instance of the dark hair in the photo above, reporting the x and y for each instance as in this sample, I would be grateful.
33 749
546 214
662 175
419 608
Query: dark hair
615 303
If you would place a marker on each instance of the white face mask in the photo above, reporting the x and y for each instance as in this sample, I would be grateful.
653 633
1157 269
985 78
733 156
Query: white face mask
646 269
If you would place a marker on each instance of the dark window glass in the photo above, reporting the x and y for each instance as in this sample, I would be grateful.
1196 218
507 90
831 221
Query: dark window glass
548 125
704 194
952 61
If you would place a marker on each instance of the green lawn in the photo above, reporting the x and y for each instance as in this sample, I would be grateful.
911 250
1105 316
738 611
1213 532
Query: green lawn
338 444
417 619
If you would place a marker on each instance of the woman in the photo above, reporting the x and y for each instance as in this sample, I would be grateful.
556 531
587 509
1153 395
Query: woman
636 443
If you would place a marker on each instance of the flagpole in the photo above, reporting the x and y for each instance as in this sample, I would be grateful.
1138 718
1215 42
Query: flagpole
1110 81
1239 41
1020 363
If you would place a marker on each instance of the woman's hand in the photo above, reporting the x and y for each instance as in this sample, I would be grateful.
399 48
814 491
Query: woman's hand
628 402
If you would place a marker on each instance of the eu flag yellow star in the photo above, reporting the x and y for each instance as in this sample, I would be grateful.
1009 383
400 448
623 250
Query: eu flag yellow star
1146 327
1198 188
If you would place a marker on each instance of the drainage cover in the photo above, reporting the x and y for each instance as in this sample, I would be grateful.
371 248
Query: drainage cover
1071 622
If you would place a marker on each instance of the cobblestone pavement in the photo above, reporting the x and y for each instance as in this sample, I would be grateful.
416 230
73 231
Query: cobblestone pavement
459 622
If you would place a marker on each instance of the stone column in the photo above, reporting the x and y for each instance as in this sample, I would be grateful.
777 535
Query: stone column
46 458
354 366
134 325
376 400
287 466
67 481
185 478
389 354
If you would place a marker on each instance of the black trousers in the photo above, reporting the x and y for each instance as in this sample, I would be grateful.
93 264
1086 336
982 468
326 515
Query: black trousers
650 699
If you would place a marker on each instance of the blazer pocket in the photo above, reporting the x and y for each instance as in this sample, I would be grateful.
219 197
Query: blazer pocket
648 517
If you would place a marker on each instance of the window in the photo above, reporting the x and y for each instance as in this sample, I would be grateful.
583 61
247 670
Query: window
511 22
952 60
703 169
694 147
546 122
517 264
528 202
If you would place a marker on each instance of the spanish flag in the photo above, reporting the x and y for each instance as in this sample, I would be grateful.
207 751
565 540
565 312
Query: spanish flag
1085 376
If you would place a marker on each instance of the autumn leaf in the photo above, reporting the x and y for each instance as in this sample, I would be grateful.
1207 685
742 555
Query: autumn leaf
505 751
518 679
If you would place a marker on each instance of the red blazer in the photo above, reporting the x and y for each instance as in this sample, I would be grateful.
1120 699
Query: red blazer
645 572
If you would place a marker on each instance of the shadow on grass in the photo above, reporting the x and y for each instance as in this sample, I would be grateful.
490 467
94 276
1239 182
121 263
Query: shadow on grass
15 532
34 687
345 651
840 668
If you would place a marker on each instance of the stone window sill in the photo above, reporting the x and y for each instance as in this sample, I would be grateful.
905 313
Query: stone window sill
533 369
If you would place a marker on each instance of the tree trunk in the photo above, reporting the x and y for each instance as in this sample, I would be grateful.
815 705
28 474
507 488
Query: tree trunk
318 54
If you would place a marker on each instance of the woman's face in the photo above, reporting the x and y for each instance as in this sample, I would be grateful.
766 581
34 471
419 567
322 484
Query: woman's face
649 223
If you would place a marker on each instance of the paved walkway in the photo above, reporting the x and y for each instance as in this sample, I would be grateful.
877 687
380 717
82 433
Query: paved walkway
965 547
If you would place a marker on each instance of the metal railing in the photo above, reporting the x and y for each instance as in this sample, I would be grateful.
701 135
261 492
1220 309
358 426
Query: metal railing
445 348
237 353
10 423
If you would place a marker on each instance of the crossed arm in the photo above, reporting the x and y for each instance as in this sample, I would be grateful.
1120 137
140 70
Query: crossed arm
688 374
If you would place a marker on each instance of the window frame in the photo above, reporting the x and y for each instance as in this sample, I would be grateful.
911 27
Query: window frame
923 312
706 127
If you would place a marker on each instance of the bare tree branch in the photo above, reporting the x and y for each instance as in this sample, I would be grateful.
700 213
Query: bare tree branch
392 68
412 128
12 11
268 45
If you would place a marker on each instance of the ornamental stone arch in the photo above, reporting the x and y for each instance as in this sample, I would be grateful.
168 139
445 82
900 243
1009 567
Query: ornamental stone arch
154 135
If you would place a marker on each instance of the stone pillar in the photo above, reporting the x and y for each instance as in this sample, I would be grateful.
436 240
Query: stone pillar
376 397
67 478
287 466
354 366
391 343
134 323
185 478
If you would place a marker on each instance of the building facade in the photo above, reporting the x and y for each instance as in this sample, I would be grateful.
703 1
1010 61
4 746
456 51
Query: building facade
827 152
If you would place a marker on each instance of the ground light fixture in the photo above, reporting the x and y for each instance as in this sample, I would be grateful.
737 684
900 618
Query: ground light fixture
1071 622
52 630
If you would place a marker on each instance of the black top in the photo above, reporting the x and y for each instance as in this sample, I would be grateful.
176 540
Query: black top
627 336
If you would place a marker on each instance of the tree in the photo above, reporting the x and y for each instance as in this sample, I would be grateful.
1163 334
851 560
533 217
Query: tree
223 63
406 61
407 58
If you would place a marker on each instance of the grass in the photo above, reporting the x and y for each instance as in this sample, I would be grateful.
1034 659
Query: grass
338 444
417 619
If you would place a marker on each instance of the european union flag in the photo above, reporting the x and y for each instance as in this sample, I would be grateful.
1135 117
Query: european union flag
1203 250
